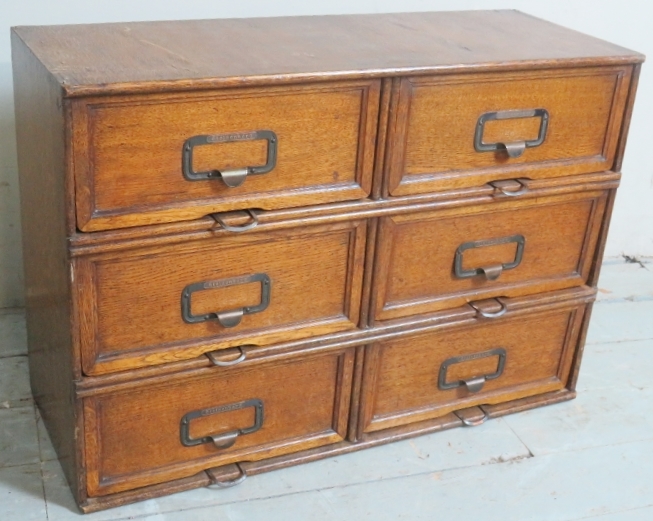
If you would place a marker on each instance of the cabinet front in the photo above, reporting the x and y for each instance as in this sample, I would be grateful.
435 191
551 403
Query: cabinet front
151 433
428 261
463 131
164 158
155 305
421 377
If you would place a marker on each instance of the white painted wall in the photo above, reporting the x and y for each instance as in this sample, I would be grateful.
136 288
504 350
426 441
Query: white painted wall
624 23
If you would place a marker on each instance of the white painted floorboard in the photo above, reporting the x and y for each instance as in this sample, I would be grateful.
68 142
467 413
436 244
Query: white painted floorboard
591 458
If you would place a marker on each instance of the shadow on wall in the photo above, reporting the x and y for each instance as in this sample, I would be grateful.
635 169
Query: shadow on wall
11 264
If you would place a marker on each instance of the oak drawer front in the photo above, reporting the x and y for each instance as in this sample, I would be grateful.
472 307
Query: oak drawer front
443 259
451 131
165 158
161 304
183 424
426 376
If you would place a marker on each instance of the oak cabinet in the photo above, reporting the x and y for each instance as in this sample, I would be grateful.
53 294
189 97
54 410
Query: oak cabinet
254 243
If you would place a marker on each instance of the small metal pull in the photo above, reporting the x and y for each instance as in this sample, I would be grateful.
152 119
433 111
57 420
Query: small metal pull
516 148
505 187
223 440
474 384
232 177
215 360
490 272
481 308
231 483
470 421
230 318
254 222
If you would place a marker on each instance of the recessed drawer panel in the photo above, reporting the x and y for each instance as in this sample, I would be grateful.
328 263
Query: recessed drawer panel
442 259
464 131
155 305
144 160
179 425
425 376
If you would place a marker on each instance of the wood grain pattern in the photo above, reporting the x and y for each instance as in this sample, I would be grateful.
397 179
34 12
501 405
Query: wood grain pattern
130 304
385 116
400 383
415 263
128 151
146 57
433 141
530 306
173 233
46 223
385 331
132 438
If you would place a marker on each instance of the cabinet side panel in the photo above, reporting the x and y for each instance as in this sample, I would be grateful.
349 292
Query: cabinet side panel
40 129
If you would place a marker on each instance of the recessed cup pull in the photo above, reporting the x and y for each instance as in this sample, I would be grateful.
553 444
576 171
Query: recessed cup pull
215 483
216 360
481 308
467 422
505 187
218 218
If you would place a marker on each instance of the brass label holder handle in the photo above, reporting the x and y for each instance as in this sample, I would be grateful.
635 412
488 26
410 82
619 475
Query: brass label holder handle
476 383
231 177
226 439
516 148
232 317
490 272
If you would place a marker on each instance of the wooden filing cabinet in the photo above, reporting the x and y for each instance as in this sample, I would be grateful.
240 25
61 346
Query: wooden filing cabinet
254 243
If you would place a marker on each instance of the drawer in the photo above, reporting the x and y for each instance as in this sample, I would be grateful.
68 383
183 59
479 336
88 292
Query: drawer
160 304
451 132
425 376
179 425
162 158
441 259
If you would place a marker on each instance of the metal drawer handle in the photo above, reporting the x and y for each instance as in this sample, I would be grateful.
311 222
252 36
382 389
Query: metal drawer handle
475 423
516 148
490 272
502 186
490 314
476 383
227 439
253 224
213 356
232 177
231 483
232 317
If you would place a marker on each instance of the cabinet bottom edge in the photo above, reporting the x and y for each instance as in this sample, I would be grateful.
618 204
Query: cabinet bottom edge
237 471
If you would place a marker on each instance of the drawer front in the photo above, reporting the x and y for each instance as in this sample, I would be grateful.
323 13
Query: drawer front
160 432
438 260
451 131
161 304
423 377
165 158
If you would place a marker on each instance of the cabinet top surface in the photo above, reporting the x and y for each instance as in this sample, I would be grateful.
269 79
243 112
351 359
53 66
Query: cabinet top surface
149 56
